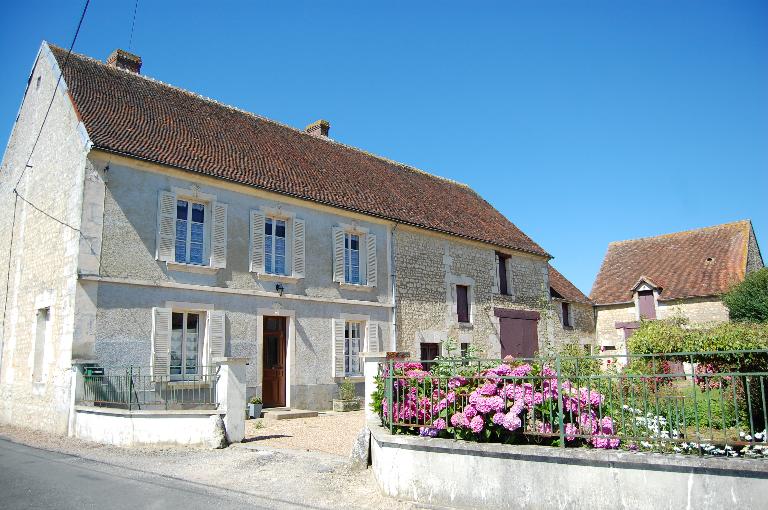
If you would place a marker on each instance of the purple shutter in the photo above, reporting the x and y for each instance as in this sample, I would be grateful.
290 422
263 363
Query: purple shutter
645 301
462 303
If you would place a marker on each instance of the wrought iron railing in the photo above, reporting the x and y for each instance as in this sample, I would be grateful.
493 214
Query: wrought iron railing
135 388
693 402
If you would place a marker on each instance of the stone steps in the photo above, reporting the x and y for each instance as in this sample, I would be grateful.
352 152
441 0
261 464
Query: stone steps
283 413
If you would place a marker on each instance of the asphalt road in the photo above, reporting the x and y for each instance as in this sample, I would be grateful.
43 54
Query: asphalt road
34 478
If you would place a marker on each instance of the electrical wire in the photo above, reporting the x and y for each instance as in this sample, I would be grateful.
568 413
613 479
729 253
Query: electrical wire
133 23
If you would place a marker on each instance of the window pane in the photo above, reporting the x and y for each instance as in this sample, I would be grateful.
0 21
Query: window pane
268 227
177 335
198 213
280 228
197 232
192 343
196 253
354 241
181 209
181 250
279 265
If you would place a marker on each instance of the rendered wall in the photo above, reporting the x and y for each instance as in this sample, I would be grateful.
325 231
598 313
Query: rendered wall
463 474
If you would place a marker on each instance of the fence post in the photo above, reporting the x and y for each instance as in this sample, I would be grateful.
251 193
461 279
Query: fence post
129 387
230 395
370 371
560 421
389 392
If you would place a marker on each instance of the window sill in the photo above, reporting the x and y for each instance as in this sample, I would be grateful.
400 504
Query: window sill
355 378
190 268
466 325
278 277
356 286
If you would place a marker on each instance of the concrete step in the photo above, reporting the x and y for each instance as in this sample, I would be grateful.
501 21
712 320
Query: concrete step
283 413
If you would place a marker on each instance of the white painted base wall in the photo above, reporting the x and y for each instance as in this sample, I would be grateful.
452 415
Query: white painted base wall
472 475
138 428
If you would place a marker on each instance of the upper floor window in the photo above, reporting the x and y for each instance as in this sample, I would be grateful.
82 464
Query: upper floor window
502 273
462 303
190 232
646 304
566 308
274 246
352 258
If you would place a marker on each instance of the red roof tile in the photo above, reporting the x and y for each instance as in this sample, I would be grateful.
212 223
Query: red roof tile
565 288
703 262
133 115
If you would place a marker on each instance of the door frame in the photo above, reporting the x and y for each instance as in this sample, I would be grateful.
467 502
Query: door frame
290 343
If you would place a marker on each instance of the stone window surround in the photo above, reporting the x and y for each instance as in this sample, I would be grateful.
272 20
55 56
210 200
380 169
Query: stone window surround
202 309
636 297
279 213
362 232
290 345
452 315
193 193
43 300
508 268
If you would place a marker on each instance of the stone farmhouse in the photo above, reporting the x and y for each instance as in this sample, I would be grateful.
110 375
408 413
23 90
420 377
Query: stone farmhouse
680 274
157 228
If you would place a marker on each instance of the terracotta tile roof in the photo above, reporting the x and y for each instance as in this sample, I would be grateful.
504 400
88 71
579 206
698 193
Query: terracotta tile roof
136 116
702 262
565 288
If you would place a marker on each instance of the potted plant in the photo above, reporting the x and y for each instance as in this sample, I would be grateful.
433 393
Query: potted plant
254 407
347 400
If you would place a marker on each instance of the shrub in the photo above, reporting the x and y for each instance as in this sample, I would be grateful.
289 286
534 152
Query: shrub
748 301
346 390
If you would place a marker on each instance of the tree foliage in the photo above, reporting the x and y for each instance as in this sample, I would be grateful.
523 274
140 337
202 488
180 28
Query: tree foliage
748 301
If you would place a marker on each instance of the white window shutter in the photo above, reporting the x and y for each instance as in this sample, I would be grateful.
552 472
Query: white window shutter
496 288
219 235
257 242
338 255
166 227
298 248
370 262
216 334
373 337
161 342
338 348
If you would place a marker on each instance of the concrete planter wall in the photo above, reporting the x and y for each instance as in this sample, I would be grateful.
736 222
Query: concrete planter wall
474 475
342 406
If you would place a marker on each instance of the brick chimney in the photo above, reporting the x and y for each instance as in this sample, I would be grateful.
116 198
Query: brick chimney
124 60
319 128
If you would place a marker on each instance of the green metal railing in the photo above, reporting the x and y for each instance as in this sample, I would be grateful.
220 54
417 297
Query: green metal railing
136 387
686 402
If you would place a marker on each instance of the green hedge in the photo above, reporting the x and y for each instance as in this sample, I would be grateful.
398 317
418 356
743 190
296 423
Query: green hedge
676 336
748 301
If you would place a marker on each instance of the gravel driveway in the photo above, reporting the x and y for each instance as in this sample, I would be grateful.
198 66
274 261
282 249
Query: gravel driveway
328 432
263 475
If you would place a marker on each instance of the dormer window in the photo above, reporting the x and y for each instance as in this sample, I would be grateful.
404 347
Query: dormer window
646 304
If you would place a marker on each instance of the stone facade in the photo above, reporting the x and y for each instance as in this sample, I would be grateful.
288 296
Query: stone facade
430 265
754 258
582 329
40 279
703 310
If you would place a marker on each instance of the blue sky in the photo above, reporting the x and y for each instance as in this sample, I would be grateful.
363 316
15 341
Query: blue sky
583 122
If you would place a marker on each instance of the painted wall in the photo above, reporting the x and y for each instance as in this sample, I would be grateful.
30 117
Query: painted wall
463 474
428 268
45 252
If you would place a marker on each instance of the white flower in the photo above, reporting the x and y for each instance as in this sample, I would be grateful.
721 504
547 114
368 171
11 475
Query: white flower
748 437
741 434
677 450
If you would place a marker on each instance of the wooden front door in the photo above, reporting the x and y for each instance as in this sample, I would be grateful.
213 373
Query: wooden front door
273 381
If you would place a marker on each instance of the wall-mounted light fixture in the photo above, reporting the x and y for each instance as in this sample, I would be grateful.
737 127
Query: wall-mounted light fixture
280 289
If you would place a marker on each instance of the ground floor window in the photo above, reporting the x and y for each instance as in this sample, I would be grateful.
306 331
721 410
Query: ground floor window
429 351
185 344
352 344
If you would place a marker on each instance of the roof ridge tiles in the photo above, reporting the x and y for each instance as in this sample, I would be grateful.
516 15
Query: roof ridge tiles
681 232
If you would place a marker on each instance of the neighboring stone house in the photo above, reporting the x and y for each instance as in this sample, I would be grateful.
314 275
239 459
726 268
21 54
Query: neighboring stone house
681 274
157 228
572 311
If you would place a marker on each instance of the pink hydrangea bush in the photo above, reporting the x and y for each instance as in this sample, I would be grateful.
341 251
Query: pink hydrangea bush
503 403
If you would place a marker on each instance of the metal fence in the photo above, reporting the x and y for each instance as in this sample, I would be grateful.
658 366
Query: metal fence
135 388
693 402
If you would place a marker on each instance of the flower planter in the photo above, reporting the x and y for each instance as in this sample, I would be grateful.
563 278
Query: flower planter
342 406
254 410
